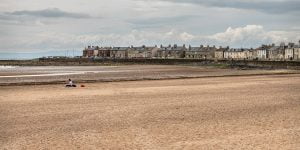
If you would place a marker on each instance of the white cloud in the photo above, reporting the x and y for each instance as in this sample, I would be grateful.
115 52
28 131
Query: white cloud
248 36
252 35
33 25
244 36
57 41
186 36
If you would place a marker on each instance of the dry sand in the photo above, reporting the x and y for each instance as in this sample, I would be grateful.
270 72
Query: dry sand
255 112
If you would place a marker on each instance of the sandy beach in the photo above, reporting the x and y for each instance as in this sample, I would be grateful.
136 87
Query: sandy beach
246 112
37 75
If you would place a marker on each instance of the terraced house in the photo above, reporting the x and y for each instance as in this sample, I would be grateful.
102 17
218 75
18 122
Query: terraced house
142 52
219 53
292 51
119 52
104 52
235 54
272 52
172 52
91 51
200 52
276 53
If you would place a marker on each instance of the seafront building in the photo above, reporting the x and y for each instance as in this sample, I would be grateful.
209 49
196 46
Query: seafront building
171 52
276 53
283 52
142 52
201 52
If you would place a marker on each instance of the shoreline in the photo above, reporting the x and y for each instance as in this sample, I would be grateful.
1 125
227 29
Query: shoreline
144 79
239 63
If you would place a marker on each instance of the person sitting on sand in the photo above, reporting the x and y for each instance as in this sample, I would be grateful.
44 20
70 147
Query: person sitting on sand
70 84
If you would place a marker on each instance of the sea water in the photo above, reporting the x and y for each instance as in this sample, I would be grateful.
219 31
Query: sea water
2 67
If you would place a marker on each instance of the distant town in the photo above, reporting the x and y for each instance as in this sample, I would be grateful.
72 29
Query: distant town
282 52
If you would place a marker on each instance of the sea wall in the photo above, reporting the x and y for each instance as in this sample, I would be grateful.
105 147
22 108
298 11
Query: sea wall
88 62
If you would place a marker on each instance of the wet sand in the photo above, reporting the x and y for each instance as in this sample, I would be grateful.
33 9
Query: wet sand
36 75
254 112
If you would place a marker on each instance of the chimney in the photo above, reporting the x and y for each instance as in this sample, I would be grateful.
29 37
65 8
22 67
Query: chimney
290 45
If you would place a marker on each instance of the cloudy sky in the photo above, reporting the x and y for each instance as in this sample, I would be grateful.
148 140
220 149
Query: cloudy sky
43 25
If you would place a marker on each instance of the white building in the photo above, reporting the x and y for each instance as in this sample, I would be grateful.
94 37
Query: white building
262 53
235 54
289 54
292 52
